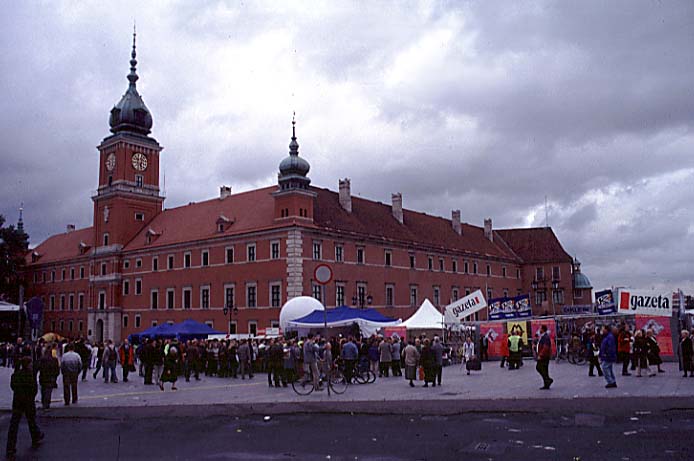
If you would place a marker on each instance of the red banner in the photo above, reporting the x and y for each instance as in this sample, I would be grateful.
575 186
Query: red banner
551 329
390 331
661 331
497 339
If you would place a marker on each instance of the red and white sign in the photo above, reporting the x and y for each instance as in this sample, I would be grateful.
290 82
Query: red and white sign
323 274
641 302
463 307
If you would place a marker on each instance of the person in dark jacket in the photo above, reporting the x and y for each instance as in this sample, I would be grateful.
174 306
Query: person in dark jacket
48 369
653 351
592 352
85 354
24 386
428 361
544 353
686 353
641 354
275 357
608 355
148 361
170 371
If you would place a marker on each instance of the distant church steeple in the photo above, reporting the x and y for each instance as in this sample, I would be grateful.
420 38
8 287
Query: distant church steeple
20 221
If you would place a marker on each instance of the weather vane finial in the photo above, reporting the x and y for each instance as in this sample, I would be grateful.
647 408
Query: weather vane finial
132 76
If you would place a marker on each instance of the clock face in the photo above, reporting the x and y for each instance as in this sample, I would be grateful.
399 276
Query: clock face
139 162
111 161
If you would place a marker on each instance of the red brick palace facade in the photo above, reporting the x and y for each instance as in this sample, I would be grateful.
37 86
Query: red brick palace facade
140 265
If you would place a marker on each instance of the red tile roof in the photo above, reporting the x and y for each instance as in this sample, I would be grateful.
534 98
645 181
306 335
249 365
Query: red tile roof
535 244
376 219
250 211
62 246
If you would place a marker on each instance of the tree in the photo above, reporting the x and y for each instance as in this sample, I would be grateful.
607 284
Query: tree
13 248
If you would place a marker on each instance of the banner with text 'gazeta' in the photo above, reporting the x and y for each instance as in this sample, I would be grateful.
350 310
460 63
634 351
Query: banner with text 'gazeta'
644 302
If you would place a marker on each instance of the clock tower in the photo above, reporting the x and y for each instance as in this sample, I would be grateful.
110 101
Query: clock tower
128 194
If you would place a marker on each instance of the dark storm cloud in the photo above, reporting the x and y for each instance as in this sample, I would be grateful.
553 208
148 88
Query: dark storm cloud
487 107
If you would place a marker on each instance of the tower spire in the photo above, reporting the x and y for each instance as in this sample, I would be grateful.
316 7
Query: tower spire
132 76
20 221
293 145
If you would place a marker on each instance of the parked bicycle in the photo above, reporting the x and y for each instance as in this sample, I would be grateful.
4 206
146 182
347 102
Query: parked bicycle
334 381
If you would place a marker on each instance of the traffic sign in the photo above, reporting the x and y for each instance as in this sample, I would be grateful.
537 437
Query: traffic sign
323 274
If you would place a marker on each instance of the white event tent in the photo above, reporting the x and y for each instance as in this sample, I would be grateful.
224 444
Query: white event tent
427 317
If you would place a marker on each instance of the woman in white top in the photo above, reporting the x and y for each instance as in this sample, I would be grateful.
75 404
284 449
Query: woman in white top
468 351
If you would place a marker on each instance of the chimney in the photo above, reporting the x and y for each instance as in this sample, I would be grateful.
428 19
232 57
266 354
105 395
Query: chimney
488 229
345 195
224 192
455 221
70 228
397 207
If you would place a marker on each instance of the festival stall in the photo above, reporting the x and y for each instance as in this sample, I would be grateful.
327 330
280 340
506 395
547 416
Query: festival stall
426 320
183 331
369 321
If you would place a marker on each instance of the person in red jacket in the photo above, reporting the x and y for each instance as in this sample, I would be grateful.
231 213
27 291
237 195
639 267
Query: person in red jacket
624 348
126 357
544 353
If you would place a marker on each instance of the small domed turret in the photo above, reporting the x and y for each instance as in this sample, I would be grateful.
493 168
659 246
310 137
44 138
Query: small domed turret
293 169
131 113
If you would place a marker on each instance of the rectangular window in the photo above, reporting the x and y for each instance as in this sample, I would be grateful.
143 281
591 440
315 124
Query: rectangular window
126 287
275 295
205 258
125 321
251 295
339 295
412 262
250 252
317 250
505 292
413 295
253 328
540 297
80 301
71 302
229 255
518 274
155 264
317 291
232 327
454 265
474 267
154 299
361 294
102 300
489 293
69 325
229 296
52 276
437 296
455 294
539 273
126 264
388 258
205 297
442 266
360 256
187 297
390 295
170 298
578 293
555 273
154 323
51 303
138 321
138 286
103 269
339 250
62 302
81 274
466 267
275 250
105 240
36 277
139 180
72 273
503 271
81 326
558 296
138 263
489 270
430 263
186 259
170 262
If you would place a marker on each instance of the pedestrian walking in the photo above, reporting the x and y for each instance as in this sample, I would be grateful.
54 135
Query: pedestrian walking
48 369
624 348
99 359
23 384
411 358
686 352
384 358
608 355
515 347
437 348
592 353
244 353
110 360
544 353
395 356
641 354
374 356
85 354
169 372
468 352
428 360
70 367
653 351
126 357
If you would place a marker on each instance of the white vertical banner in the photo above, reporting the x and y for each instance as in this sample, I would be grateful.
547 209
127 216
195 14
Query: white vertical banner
457 311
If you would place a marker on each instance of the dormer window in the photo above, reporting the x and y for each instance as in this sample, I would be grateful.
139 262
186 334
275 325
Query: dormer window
139 216
35 256
83 247
223 223
151 235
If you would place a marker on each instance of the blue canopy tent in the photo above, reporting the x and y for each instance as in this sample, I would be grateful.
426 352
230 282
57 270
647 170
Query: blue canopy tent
369 320
191 329
160 331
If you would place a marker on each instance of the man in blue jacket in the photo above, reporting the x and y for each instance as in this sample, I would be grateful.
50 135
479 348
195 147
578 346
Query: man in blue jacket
608 355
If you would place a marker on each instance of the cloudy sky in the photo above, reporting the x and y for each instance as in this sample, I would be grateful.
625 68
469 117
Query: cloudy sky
483 106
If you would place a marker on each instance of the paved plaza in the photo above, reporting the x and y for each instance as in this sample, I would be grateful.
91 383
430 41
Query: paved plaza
498 388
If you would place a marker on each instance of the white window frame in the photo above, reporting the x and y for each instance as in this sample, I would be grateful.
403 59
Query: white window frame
253 323
188 290
250 285
138 320
138 286
339 253
171 295
187 260
204 253
153 293
209 296
317 250
170 262
339 302
155 263
275 245
251 252
277 285
231 286
391 301
226 255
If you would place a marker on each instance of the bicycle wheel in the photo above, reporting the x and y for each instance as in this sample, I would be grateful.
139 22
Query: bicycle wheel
302 386
580 360
372 377
338 383
361 377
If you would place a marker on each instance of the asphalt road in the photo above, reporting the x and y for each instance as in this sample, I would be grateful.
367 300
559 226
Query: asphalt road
624 429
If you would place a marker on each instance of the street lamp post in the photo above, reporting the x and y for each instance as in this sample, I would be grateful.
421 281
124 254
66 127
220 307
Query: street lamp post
230 311
555 288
